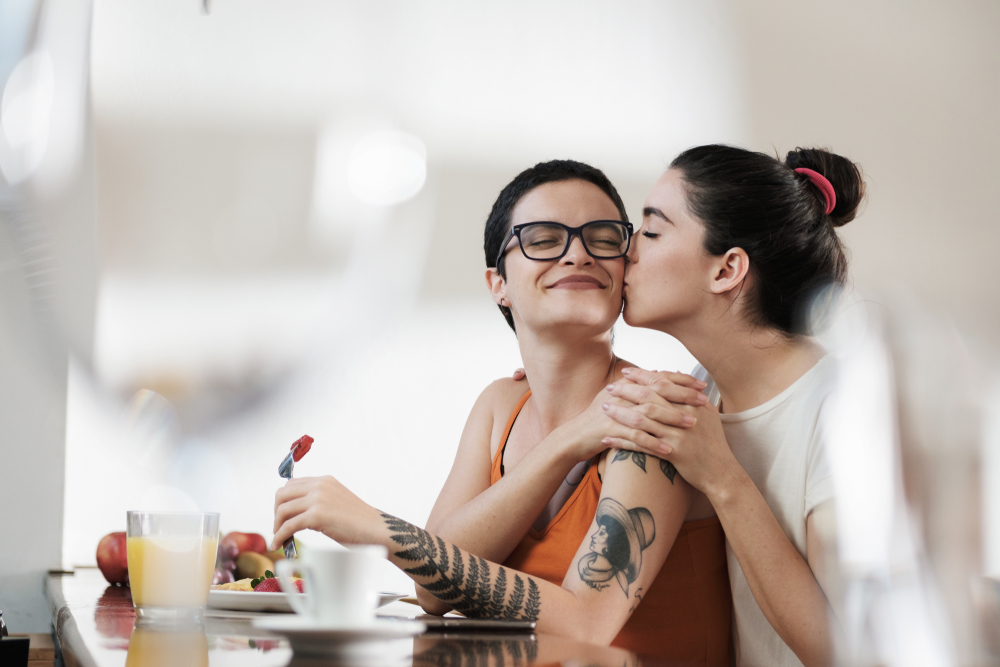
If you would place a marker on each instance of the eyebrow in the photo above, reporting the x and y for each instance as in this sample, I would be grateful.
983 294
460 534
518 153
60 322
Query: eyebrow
649 210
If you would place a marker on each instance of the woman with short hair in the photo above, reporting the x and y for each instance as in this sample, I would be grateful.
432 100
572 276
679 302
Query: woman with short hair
605 549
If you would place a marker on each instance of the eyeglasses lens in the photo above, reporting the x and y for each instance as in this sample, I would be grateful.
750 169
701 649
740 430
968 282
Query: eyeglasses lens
606 239
543 241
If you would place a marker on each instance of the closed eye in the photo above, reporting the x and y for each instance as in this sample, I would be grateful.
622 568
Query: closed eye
651 235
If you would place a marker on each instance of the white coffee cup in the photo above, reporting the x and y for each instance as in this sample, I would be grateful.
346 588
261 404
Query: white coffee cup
340 584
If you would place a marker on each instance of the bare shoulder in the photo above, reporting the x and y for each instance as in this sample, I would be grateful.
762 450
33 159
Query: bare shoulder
505 394
498 400
616 373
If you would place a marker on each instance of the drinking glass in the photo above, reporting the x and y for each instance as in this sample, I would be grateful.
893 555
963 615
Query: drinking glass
171 558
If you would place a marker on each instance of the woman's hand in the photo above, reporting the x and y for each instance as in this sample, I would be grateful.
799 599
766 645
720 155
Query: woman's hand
325 505
589 431
699 451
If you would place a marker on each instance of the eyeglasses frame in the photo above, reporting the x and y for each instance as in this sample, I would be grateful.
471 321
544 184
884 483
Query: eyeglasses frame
570 233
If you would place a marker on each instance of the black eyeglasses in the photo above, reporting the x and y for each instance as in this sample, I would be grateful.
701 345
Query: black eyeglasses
549 241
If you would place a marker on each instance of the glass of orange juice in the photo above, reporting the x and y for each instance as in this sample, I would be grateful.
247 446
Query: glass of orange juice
171 558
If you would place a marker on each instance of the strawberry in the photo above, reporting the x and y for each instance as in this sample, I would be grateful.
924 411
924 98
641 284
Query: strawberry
268 584
301 447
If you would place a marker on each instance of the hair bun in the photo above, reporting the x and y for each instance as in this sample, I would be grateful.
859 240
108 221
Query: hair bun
844 175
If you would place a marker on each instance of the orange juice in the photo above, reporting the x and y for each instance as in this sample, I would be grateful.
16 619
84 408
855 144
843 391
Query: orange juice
153 648
170 571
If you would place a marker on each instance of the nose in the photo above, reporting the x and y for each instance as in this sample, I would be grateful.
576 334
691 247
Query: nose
632 255
576 254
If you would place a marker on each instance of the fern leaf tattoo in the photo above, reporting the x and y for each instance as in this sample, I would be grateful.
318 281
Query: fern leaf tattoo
466 583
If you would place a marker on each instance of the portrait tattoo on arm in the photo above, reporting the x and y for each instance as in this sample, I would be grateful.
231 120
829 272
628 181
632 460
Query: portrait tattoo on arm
638 458
616 548
464 582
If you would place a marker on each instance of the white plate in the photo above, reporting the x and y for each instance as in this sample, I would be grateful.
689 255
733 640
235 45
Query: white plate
308 637
251 601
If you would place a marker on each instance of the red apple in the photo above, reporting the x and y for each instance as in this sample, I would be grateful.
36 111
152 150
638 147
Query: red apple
112 558
246 542
114 616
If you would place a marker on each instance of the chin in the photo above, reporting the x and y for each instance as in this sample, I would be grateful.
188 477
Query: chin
632 316
581 324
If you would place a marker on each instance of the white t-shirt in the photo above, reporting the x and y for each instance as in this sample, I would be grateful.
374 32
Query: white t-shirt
779 445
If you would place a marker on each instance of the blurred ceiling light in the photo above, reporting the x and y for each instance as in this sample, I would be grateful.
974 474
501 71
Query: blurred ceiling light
24 116
387 168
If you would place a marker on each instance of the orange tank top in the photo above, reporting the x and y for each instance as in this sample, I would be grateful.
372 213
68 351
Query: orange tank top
686 613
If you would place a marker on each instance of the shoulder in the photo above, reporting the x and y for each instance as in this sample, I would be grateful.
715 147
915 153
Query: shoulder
616 373
500 397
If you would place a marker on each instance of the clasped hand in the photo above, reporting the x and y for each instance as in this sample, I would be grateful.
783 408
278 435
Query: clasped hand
664 422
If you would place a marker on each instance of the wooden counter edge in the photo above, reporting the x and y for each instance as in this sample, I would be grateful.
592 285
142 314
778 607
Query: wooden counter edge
40 646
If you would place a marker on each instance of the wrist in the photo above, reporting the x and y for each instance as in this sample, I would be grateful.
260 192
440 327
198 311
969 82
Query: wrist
570 446
729 487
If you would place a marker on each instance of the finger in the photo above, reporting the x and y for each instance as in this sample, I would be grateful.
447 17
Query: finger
635 421
683 379
642 376
668 415
519 374
625 403
661 390
289 509
288 529
293 488
636 428
662 449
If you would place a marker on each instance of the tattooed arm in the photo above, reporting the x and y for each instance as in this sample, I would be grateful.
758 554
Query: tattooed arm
467 502
490 521
601 589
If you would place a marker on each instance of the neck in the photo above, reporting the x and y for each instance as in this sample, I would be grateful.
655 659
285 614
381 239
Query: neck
750 365
565 374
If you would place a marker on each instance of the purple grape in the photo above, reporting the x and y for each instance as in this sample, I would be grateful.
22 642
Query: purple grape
222 577
228 551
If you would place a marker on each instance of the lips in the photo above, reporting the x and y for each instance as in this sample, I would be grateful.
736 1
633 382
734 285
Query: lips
579 281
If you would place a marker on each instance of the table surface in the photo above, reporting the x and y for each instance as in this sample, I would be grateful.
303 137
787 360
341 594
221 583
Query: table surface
95 627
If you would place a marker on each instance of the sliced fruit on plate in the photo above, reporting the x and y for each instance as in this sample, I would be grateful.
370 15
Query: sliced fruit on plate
268 584
241 585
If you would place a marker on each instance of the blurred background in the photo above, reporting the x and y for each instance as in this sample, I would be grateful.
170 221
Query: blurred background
229 223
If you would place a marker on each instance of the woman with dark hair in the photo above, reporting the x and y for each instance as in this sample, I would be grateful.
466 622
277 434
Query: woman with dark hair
733 247
582 537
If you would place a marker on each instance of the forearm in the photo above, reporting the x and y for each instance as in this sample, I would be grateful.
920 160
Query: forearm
507 508
779 578
493 523
481 589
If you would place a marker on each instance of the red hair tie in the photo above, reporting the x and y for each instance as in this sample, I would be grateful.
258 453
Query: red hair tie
824 185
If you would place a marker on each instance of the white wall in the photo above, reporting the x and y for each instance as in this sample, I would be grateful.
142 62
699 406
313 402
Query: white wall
48 269
32 436
910 92
185 135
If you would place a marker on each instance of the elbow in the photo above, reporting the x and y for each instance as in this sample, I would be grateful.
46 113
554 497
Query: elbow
431 604
589 626
593 633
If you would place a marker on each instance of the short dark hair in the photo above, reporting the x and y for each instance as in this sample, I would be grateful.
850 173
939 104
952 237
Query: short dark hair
756 202
618 552
498 222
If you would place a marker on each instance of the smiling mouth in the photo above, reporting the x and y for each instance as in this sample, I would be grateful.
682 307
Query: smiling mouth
577 282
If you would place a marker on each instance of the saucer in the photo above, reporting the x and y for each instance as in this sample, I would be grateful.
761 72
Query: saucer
254 601
311 637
